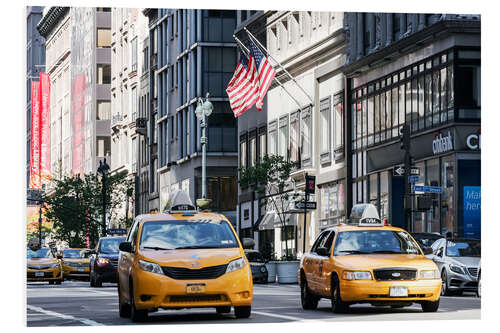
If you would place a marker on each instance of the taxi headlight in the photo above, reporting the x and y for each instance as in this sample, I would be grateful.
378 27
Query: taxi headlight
357 275
150 267
102 261
236 264
430 274
456 269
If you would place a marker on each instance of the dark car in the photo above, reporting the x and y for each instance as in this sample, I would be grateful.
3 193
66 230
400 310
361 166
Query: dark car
426 239
258 266
104 261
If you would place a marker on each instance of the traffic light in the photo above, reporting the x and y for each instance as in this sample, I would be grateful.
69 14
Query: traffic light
404 137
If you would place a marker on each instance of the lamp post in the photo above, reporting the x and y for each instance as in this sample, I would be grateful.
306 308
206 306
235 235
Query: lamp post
103 170
203 110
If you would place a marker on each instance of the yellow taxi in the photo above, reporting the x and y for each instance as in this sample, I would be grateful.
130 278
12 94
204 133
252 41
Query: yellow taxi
76 263
368 262
42 265
183 258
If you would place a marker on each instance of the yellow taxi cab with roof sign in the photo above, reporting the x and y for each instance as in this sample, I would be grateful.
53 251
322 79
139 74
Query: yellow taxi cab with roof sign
183 258
368 262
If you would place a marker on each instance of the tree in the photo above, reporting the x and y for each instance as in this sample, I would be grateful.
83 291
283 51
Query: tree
74 205
270 178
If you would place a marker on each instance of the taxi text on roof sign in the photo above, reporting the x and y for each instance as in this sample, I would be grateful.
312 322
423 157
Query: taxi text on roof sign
365 215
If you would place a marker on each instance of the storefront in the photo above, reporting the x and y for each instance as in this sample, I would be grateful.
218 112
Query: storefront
331 204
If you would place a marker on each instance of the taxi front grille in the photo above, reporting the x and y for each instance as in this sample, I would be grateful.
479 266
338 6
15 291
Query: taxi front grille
181 273
388 296
394 274
45 274
197 298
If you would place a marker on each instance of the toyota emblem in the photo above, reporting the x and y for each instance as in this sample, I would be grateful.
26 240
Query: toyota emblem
396 274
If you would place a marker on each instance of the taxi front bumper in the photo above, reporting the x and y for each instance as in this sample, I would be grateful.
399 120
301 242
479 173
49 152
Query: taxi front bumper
49 274
371 291
154 291
76 271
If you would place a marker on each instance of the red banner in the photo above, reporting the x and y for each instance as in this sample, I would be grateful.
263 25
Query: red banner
45 126
35 136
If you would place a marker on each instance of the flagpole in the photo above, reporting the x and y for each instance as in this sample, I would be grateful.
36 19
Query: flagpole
244 48
270 56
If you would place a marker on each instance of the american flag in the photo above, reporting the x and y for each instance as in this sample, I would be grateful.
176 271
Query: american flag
265 71
243 89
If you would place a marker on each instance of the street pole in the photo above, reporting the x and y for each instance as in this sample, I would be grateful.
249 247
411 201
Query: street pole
405 145
203 158
104 204
40 224
306 199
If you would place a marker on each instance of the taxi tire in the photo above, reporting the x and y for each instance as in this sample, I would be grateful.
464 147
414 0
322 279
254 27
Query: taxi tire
222 309
51 282
429 306
338 306
136 315
123 308
242 311
308 300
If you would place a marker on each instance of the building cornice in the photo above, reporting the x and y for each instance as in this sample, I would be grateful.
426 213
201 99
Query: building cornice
50 20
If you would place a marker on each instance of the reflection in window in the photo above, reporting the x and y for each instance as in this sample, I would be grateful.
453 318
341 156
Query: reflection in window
103 37
103 74
447 197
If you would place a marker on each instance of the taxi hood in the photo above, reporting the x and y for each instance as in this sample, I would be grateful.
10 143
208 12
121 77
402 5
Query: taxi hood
42 261
76 259
185 257
374 261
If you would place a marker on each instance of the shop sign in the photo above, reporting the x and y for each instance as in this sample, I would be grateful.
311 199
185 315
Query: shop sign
473 141
442 144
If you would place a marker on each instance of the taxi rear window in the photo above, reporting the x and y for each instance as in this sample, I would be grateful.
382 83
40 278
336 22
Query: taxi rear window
374 242
170 235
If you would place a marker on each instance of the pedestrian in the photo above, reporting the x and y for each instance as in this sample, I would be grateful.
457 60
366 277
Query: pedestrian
448 234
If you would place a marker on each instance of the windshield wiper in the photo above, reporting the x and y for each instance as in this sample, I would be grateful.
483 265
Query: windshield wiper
387 251
196 247
353 252
155 248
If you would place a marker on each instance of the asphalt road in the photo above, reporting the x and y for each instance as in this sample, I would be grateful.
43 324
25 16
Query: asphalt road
74 303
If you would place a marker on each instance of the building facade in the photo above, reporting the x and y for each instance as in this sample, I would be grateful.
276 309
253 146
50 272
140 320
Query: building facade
35 63
422 70
303 122
193 53
127 33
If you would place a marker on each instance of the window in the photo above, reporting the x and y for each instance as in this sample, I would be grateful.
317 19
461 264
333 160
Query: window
306 136
222 126
294 137
103 9
222 190
134 103
243 153
218 68
262 144
252 151
134 54
103 146
325 128
103 74
283 138
469 90
103 37
103 110
218 25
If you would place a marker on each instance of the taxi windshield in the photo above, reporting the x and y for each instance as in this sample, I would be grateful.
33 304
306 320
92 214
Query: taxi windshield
73 253
41 253
170 235
111 245
457 248
375 242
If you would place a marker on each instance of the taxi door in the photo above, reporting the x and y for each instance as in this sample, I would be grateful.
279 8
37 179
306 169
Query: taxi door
317 263
310 262
126 261
325 266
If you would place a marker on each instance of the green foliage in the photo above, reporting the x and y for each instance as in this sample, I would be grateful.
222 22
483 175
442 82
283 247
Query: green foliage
75 205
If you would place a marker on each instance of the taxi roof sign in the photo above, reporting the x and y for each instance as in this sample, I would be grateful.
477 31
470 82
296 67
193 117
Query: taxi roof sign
366 215
179 202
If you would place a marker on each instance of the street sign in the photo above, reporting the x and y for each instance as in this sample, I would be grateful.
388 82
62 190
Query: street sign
428 189
117 231
400 171
300 205
413 179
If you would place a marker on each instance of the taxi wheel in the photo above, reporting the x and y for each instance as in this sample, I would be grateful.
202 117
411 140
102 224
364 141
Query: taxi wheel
123 308
338 306
51 282
223 309
242 311
308 300
136 315
429 306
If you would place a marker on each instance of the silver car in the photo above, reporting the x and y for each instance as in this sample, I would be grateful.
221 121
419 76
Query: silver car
458 261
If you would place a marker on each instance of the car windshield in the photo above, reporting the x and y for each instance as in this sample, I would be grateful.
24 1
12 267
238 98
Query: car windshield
463 248
426 240
375 242
73 253
42 253
111 245
169 235
254 257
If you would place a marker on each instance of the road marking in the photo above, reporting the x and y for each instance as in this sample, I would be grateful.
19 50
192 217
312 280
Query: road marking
63 316
278 316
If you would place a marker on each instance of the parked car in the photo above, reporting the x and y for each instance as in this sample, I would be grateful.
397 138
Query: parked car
104 261
458 261
426 239
257 265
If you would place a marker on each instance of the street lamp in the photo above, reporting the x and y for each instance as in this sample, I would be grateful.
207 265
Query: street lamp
103 170
204 109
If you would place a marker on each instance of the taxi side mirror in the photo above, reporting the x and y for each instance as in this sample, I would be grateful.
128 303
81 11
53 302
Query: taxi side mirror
427 250
248 243
126 247
323 251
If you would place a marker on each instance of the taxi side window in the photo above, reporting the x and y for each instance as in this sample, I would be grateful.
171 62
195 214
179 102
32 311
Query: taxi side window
319 240
132 237
329 241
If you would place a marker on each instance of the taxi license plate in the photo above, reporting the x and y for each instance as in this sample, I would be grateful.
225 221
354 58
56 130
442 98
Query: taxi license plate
195 288
81 269
398 291
38 274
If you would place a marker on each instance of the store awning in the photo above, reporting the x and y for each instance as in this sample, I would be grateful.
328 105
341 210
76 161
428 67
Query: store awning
271 220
